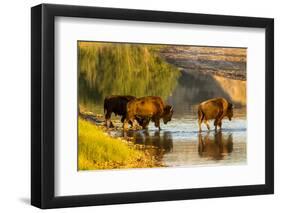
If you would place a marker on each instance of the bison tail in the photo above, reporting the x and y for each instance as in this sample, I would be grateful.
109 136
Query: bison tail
104 105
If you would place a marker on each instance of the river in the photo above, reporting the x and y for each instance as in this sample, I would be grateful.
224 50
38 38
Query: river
179 143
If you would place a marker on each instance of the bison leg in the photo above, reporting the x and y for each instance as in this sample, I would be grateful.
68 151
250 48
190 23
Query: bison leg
216 124
200 118
207 124
199 123
123 119
218 120
157 123
108 122
134 124
220 123
128 121
125 124
143 122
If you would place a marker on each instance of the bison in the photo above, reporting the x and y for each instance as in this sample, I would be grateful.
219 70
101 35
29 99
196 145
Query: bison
117 104
217 109
148 108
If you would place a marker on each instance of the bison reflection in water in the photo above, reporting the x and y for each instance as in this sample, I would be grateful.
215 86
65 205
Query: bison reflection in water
215 146
158 143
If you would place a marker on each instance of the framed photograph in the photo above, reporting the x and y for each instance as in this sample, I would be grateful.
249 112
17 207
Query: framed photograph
139 106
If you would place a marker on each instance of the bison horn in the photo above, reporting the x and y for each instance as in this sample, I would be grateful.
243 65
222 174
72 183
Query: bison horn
172 109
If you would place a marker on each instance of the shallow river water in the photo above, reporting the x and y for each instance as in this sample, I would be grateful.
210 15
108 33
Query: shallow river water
180 144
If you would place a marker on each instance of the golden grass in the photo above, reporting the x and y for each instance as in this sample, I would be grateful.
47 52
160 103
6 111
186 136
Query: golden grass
97 150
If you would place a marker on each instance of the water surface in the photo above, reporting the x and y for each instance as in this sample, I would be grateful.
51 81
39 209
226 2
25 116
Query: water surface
180 144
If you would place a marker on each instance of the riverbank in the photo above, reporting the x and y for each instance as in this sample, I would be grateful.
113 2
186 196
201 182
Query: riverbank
225 62
98 150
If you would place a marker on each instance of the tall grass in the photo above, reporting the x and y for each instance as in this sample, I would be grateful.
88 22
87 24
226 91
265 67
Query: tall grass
97 150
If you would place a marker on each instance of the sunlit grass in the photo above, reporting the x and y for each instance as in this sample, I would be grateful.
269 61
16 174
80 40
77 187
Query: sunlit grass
97 150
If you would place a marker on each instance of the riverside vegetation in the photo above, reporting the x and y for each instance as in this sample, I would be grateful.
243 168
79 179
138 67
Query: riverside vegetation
97 150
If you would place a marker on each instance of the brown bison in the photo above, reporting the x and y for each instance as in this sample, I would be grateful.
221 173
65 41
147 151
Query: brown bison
148 108
217 109
117 104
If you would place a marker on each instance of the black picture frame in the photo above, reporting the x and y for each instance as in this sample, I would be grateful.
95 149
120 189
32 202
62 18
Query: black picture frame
43 102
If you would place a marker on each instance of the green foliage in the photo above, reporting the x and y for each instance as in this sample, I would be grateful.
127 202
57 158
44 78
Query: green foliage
97 150
122 69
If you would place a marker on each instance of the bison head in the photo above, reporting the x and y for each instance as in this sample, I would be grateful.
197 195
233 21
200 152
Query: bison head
229 113
167 114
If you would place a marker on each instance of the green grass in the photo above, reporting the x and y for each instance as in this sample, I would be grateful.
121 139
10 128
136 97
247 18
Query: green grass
97 150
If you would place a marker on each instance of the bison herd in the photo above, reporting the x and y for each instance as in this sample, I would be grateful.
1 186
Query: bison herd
138 112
